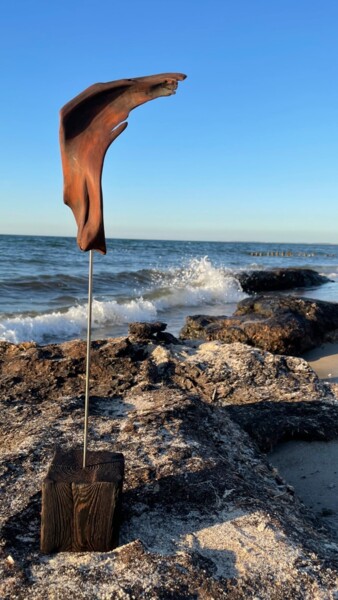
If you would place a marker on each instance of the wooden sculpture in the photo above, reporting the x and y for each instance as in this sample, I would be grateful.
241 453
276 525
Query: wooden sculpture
81 498
89 124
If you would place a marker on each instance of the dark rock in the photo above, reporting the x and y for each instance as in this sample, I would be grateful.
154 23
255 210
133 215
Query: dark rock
196 326
153 331
139 332
281 324
165 337
46 370
279 279
270 423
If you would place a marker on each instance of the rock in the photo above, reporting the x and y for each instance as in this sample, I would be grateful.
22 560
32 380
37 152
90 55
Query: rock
204 514
279 279
245 375
166 338
145 332
281 324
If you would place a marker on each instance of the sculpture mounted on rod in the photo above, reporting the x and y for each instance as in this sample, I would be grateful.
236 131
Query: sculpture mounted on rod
89 124
81 505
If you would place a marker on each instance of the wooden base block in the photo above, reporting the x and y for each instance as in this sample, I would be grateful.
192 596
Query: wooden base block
81 507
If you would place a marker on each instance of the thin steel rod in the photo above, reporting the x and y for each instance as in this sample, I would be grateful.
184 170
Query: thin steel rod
89 335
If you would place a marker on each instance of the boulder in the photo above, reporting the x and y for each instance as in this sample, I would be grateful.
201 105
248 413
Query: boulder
279 279
204 513
150 331
277 323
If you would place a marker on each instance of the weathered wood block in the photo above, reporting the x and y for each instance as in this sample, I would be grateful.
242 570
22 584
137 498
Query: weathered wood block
81 507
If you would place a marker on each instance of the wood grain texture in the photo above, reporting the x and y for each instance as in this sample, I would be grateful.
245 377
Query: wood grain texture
56 516
94 506
89 123
81 507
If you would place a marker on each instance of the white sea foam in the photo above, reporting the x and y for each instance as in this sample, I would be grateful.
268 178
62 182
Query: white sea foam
198 284
201 283
72 323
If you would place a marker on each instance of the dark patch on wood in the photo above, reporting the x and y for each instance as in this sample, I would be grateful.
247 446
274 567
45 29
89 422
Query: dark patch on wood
81 507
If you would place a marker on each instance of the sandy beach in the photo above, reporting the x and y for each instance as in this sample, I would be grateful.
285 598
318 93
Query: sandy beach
311 467
324 361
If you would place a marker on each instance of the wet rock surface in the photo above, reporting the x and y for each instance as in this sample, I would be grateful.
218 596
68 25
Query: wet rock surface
204 513
277 323
279 279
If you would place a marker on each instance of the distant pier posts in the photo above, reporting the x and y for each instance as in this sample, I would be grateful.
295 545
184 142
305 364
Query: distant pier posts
283 253
81 507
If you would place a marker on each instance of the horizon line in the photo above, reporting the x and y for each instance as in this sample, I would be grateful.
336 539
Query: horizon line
141 239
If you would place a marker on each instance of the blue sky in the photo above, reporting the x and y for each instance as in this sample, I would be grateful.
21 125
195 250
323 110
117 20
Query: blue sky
246 150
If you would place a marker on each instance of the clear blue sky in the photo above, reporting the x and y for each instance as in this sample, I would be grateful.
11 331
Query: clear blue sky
246 150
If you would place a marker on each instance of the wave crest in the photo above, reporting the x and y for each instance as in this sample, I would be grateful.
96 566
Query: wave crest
198 284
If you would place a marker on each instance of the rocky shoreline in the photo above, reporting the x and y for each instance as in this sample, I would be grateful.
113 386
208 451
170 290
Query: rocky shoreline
278 323
205 514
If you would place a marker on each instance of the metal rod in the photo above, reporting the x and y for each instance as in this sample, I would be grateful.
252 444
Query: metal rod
89 333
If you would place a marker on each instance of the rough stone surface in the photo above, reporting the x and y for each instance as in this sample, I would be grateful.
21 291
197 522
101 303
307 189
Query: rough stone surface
205 516
277 323
279 279
151 331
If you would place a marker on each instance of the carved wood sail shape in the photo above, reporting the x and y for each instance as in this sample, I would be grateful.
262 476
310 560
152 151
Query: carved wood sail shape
88 125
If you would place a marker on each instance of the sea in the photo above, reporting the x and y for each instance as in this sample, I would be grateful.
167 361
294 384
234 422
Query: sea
44 282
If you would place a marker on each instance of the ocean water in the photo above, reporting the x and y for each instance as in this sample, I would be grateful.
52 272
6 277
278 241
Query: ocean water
44 282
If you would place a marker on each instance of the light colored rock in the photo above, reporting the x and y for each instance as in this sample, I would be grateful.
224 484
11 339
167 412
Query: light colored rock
204 514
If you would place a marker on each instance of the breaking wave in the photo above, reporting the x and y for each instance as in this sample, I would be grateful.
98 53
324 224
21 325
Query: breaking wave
73 322
197 285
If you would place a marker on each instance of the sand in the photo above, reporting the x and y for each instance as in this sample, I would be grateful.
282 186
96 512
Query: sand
312 467
324 361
